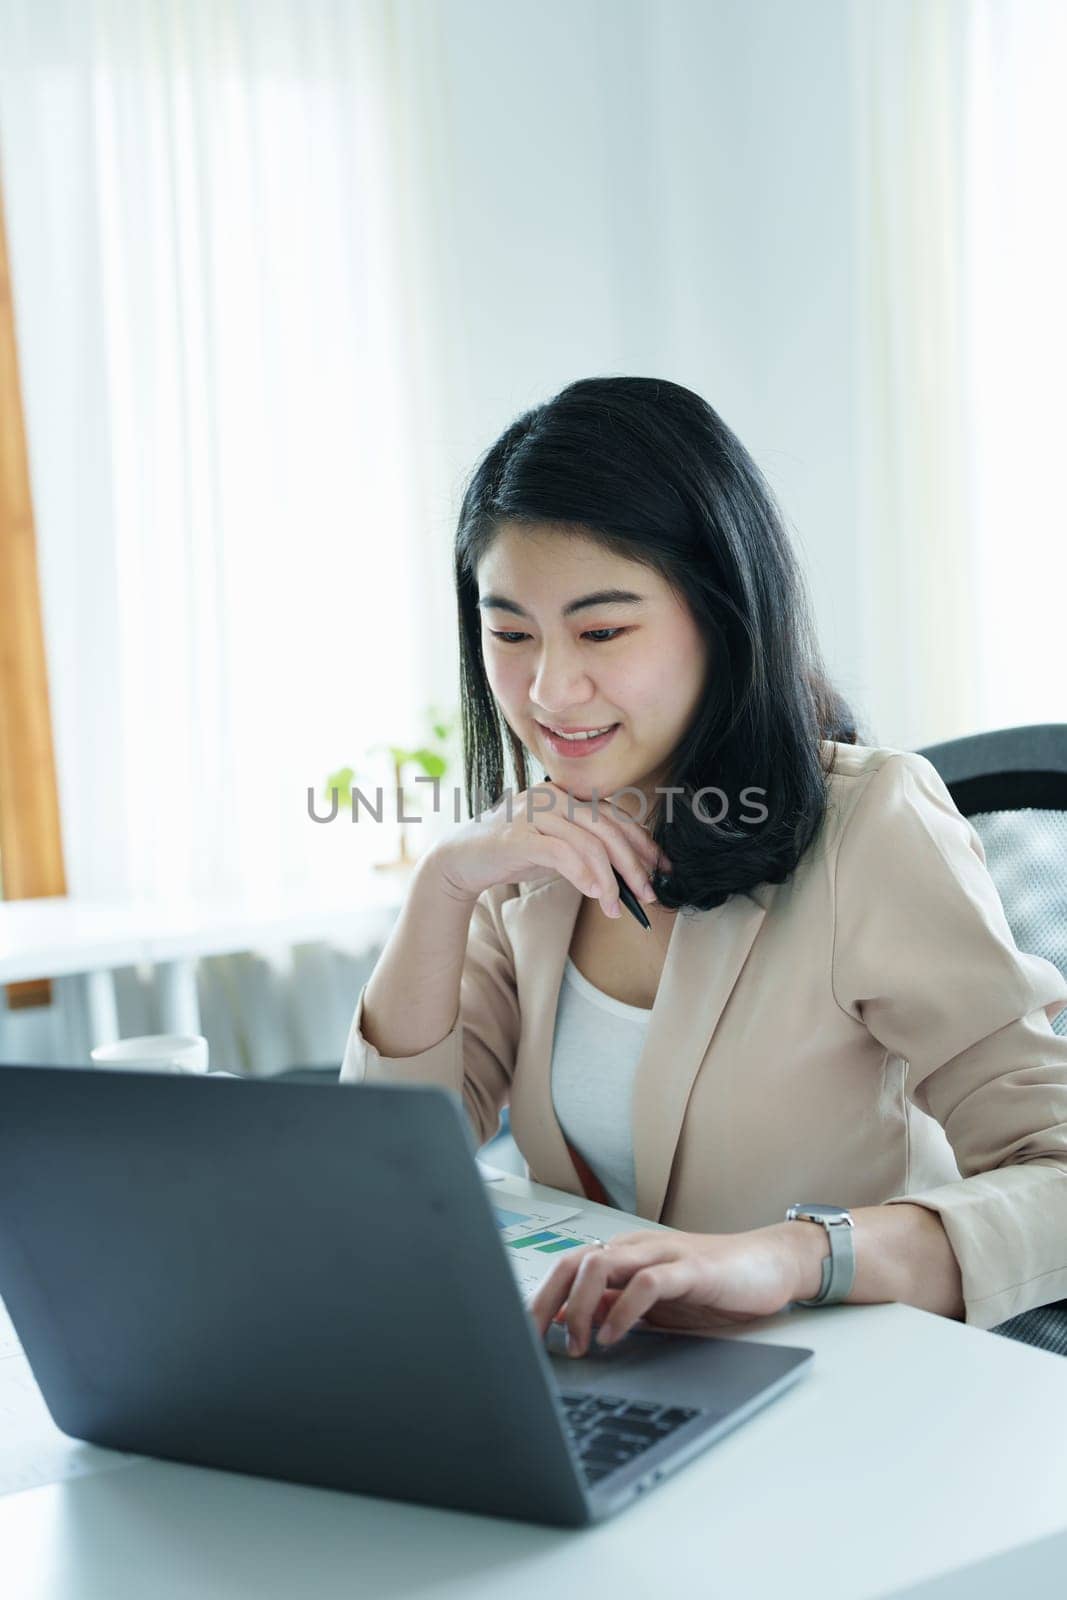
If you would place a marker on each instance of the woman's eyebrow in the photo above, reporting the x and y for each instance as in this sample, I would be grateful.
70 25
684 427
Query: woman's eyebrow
603 597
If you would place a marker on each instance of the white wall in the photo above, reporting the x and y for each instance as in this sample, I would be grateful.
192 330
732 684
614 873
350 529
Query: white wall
664 190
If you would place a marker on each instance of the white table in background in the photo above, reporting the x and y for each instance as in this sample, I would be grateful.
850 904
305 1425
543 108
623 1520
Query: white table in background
79 944
919 1457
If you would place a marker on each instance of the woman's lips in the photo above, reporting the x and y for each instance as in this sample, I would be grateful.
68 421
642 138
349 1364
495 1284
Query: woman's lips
578 747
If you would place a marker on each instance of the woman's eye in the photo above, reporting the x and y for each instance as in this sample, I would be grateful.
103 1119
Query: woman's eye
512 637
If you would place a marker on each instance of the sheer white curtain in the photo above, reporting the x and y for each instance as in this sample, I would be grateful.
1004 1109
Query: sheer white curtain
962 248
1016 247
224 274
217 312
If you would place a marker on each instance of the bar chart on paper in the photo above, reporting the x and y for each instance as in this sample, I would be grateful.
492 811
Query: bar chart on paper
533 1236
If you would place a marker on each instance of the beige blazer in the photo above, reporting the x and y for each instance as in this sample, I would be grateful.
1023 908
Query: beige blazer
866 1032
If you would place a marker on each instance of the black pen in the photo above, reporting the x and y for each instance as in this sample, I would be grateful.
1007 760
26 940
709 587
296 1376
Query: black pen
626 894
630 900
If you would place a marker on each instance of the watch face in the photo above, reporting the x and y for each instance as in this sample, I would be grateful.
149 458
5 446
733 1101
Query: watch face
817 1211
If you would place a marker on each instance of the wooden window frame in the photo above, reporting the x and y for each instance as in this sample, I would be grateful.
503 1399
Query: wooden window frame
31 844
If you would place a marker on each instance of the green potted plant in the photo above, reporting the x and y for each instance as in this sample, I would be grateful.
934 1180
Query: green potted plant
432 757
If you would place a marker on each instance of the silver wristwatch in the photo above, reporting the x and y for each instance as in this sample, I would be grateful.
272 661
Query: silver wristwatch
839 1267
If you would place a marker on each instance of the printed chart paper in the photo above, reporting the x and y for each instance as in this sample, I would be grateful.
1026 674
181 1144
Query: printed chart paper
533 1236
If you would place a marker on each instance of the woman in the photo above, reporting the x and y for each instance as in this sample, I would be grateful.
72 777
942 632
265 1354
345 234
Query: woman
828 1005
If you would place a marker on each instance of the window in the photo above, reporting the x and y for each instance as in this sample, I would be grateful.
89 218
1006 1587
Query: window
31 849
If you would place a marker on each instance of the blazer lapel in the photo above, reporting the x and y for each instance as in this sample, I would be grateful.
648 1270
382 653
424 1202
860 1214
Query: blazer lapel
706 953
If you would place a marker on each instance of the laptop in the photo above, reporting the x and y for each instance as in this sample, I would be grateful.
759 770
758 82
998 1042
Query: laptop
308 1282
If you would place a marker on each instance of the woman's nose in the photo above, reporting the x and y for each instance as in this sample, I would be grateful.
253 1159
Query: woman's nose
559 685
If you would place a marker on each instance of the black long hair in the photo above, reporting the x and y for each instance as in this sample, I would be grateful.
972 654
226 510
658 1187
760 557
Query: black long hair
647 469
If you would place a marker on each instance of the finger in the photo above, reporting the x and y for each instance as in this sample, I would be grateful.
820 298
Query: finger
626 846
547 1300
587 1291
605 1269
607 807
634 852
665 1280
554 1288
552 1292
559 855
603 1310
635 855
652 856
577 856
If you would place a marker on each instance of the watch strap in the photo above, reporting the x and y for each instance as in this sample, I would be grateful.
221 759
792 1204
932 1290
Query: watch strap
839 1266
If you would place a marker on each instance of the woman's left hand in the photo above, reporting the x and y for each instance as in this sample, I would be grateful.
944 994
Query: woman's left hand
695 1282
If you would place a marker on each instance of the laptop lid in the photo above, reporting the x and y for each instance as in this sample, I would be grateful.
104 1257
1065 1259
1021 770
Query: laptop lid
291 1280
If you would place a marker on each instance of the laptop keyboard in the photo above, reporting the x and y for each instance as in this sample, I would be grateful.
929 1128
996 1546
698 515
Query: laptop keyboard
608 1431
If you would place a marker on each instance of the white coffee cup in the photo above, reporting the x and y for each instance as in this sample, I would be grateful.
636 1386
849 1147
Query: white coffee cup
155 1052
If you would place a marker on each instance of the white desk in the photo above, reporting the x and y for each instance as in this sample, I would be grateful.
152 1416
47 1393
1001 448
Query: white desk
80 943
915 1448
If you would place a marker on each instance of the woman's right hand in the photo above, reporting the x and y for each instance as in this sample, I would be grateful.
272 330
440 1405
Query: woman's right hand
548 844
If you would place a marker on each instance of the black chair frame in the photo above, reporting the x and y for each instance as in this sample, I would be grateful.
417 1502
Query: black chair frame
1012 769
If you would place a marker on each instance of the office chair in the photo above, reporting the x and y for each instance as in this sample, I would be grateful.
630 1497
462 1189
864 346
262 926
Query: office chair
1011 785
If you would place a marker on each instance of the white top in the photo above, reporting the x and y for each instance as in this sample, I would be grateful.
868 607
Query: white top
596 1047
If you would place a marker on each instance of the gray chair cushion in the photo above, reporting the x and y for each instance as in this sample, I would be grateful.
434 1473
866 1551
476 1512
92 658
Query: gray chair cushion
1026 853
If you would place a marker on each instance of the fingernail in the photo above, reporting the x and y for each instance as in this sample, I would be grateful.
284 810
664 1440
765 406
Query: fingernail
606 1334
572 1345
647 892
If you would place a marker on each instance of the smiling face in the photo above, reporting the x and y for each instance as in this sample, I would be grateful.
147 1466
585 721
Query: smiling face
557 659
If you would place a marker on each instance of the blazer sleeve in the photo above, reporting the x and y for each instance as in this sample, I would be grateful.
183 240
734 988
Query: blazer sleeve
476 1058
924 957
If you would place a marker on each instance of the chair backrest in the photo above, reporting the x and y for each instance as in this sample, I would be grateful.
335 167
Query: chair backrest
1011 785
